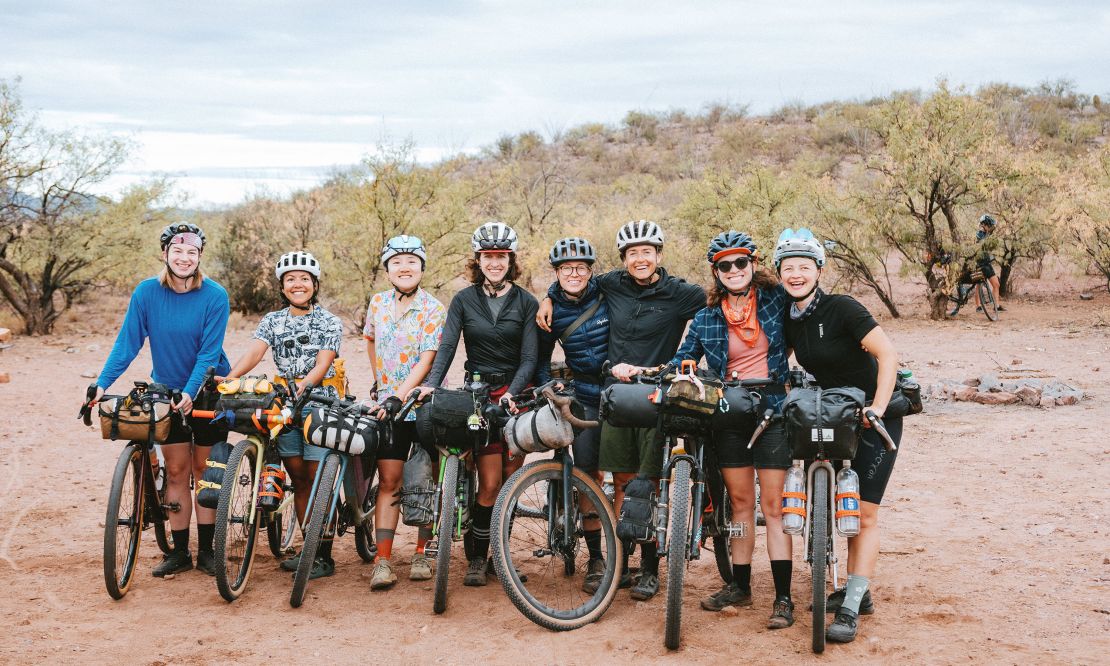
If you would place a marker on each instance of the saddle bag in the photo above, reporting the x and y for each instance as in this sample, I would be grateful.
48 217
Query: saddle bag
823 423
737 410
637 520
347 432
443 419
630 405
136 416
210 484
418 489
541 429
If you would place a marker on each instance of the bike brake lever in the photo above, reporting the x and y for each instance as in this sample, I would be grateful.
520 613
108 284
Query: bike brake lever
877 424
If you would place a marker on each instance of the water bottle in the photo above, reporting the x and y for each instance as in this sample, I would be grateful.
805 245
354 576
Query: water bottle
847 502
911 389
273 486
794 500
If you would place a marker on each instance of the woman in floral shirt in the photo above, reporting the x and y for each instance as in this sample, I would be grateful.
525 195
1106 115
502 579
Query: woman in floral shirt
304 340
403 329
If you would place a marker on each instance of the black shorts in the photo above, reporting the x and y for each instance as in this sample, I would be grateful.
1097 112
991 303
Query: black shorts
987 268
397 447
204 432
770 451
874 463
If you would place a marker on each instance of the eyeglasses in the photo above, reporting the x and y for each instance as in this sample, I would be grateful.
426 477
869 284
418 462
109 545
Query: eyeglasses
291 342
725 266
573 270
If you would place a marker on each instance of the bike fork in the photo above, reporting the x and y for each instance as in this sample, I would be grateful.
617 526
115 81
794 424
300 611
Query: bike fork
568 516
697 510
663 502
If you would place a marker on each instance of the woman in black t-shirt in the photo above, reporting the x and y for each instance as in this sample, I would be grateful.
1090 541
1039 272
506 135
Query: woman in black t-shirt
496 319
838 342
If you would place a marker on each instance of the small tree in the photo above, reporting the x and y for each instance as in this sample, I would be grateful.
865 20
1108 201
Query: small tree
1022 205
1083 212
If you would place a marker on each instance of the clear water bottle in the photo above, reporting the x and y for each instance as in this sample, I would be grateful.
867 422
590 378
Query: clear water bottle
794 500
847 502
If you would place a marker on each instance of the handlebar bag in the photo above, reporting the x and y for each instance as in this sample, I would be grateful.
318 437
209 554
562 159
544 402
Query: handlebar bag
738 410
418 489
210 484
693 396
823 423
637 520
136 416
630 405
443 419
347 432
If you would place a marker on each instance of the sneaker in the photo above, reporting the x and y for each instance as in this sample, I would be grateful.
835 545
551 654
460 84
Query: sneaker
729 595
836 599
206 562
475 573
321 568
978 308
174 563
595 572
646 587
843 628
783 614
383 576
954 311
291 563
1000 308
421 569
628 578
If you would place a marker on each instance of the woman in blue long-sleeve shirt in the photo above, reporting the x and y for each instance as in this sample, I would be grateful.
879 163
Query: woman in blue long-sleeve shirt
184 315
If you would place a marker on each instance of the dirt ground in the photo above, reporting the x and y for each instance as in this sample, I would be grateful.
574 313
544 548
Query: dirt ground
996 543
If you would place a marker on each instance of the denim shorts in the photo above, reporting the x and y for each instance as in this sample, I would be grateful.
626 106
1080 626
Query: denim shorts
291 443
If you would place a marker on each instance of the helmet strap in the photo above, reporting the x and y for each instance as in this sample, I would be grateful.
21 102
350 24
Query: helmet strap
405 294
799 299
186 278
493 288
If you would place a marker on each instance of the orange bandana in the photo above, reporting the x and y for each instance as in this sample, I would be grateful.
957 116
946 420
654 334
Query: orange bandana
745 322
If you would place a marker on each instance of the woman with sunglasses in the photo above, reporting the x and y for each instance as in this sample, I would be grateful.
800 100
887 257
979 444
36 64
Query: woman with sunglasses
304 339
403 329
740 334
496 318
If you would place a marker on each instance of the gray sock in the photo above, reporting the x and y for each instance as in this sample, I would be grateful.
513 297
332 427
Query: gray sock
853 593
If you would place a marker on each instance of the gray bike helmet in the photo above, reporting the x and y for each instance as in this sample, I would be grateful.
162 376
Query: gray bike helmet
730 242
572 249
800 243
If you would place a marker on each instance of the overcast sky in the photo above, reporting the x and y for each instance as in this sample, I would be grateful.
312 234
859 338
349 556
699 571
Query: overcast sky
225 95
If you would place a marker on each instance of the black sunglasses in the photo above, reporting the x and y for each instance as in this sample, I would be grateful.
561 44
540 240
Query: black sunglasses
290 342
724 266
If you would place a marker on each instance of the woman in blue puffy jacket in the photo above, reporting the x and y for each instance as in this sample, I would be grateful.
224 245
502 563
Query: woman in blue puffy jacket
586 346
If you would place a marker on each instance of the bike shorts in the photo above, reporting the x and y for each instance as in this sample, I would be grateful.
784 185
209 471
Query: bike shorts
201 432
397 447
630 450
291 443
987 268
588 443
770 451
874 463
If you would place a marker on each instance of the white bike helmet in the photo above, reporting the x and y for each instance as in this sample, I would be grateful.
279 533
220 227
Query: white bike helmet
639 232
494 236
800 243
297 261
404 244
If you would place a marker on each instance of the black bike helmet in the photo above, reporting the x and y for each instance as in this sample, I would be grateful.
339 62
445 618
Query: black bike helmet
729 242
988 220
181 228
572 249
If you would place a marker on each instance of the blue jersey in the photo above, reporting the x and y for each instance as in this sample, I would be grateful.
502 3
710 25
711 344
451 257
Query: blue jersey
186 333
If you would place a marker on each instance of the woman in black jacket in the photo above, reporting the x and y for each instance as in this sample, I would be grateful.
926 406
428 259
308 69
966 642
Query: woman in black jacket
496 319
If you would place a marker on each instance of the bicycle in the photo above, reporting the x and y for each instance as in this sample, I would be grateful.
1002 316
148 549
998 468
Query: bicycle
135 502
817 531
342 497
456 484
538 527
972 279
244 504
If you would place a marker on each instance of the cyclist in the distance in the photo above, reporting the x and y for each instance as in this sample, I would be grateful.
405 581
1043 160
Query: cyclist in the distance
983 260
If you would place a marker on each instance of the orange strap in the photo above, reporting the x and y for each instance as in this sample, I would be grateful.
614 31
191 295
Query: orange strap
841 513
800 496
797 510
840 496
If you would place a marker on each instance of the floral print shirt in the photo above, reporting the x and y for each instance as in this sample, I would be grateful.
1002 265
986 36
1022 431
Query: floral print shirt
399 342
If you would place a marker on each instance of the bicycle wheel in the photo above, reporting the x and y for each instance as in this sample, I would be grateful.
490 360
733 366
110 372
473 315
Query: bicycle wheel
281 526
679 522
819 549
448 489
364 532
986 299
537 548
123 521
315 525
163 535
236 531
722 544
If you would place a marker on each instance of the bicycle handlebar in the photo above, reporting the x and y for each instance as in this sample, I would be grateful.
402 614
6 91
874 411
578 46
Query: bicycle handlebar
877 424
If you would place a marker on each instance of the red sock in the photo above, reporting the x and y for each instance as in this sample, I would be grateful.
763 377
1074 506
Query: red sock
385 549
420 543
